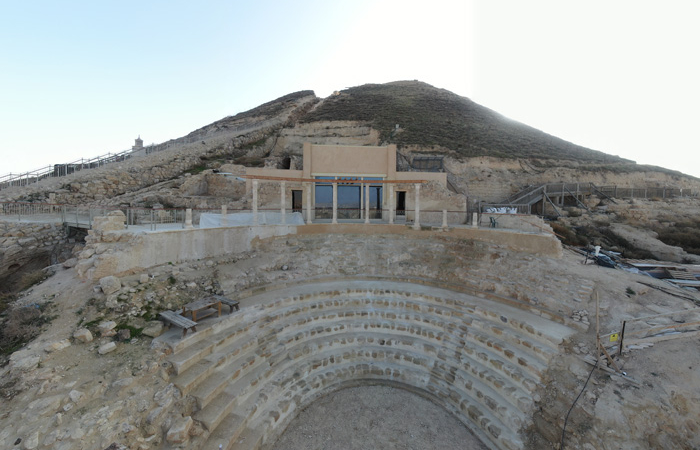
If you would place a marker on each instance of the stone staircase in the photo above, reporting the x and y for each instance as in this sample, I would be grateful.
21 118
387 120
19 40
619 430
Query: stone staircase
250 372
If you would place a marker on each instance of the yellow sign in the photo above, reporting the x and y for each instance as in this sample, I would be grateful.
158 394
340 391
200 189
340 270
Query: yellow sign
614 337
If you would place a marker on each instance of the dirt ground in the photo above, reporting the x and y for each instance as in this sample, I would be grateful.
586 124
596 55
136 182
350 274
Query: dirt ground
376 417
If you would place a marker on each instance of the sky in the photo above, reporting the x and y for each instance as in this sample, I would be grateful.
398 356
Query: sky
85 78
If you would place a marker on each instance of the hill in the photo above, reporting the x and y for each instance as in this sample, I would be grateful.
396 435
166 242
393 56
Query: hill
431 117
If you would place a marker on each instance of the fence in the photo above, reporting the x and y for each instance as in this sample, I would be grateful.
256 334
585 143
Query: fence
60 170
159 218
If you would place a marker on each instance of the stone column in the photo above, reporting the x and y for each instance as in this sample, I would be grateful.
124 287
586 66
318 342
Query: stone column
444 218
335 202
391 202
188 218
416 220
475 220
283 201
255 202
366 203
362 201
309 186
224 218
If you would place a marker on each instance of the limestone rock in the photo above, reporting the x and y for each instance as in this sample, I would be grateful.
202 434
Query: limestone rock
31 442
107 328
75 396
179 431
153 329
23 361
106 348
110 284
69 263
55 346
143 278
83 335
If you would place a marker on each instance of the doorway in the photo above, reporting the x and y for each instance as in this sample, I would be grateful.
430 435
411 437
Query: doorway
296 201
401 203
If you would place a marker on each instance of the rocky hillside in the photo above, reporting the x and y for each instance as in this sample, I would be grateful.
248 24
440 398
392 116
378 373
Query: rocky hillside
487 157
432 118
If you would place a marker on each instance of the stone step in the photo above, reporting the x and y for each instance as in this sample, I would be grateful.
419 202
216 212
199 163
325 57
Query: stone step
210 388
234 396
513 400
224 402
484 353
326 313
197 350
357 300
195 374
518 355
493 427
225 434
249 439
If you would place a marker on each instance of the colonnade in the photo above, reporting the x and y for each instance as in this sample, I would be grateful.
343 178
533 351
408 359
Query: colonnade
308 187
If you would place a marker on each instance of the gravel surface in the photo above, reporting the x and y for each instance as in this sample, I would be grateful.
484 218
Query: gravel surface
376 417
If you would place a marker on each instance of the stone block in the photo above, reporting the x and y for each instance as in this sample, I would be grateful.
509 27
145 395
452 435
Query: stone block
106 348
83 335
179 431
153 329
107 328
110 284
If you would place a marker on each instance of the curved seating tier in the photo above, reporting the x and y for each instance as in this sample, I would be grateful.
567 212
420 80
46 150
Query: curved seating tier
250 373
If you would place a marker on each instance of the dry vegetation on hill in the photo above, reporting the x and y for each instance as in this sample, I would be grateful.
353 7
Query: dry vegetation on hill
429 117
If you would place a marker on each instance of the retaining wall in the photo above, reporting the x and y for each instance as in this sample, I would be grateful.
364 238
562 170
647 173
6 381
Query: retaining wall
119 252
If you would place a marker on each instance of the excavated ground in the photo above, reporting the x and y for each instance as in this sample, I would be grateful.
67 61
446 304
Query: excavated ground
126 397
376 417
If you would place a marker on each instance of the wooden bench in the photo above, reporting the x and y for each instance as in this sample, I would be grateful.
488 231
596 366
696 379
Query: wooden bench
173 318
228 302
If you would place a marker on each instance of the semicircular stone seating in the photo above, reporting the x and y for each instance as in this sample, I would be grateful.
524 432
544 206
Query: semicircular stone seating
250 373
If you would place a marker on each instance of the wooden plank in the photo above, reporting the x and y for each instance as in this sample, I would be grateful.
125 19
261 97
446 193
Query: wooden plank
316 180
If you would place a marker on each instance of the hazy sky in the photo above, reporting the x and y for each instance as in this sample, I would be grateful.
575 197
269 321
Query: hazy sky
83 78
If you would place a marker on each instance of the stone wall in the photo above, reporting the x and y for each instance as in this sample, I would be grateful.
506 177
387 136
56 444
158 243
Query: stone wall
26 247
112 250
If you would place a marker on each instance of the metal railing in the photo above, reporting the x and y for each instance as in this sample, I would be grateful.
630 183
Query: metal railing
60 170
533 194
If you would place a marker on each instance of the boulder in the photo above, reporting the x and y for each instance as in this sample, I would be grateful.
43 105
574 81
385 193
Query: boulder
24 361
83 335
55 346
153 329
69 263
110 284
106 348
107 328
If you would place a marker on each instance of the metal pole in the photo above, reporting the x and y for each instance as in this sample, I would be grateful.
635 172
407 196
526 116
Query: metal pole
622 337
